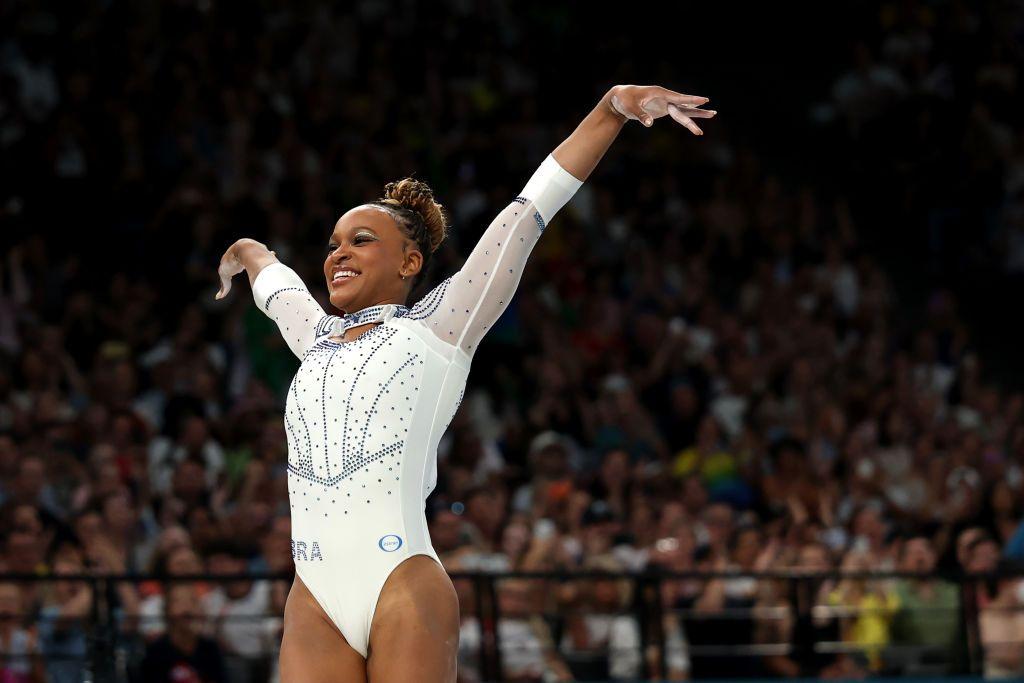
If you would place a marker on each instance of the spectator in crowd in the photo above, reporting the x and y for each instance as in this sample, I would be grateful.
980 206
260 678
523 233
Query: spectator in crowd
599 641
528 652
246 630
183 653
20 646
929 611
1000 606
64 620
178 560
866 608
724 612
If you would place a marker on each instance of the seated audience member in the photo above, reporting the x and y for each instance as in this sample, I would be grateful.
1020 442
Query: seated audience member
599 640
241 611
1000 605
929 611
65 619
528 653
866 608
19 647
182 654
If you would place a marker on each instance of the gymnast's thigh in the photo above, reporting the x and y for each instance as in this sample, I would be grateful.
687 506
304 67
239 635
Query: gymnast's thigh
312 648
414 635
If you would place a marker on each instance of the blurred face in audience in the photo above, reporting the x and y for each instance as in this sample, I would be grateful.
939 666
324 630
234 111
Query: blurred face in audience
869 525
486 510
24 551
276 544
598 536
225 564
180 607
194 434
856 561
189 482
606 595
444 530
746 547
984 556
26 518
65 564
184 560
118 514
552 462
10 603
1002 500
88 527
615 468
694 495
814 557
918 556
684 400
172 537
963 544
8 454
707 434
515 539
31 478
718 519
515 599
369 242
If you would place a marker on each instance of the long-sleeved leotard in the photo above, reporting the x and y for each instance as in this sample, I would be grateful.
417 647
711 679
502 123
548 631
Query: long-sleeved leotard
364 417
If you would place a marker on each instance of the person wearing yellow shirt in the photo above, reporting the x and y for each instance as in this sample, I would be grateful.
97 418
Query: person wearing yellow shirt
865 608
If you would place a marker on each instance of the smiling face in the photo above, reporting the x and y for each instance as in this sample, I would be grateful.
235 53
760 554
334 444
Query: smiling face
367 254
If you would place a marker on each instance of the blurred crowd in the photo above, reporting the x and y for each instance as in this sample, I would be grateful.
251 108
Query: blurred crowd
703 369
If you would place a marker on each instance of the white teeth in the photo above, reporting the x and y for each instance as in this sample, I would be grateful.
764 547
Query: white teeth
345 273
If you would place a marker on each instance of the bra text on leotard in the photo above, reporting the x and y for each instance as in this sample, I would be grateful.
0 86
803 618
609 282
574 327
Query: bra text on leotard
299 552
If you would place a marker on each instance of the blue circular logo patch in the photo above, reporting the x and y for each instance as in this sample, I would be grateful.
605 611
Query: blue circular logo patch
390 543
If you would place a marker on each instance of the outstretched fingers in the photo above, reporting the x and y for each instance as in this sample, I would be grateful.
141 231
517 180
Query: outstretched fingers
693 112
683 99
677 114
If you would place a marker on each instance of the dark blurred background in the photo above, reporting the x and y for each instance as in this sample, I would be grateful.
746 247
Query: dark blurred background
790 343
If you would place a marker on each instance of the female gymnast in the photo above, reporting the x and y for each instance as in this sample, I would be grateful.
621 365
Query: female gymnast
376 389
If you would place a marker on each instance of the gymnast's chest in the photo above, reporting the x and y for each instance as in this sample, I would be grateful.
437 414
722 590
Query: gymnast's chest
361 388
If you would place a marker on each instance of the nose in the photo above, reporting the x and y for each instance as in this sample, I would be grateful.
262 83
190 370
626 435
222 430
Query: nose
339 254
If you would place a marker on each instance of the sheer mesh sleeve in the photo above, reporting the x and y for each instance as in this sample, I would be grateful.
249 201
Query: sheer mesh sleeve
281 294
461 309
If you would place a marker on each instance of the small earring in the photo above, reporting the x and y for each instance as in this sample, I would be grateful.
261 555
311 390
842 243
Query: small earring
403 277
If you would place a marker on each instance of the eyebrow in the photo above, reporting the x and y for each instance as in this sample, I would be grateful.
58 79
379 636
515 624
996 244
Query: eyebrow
358 227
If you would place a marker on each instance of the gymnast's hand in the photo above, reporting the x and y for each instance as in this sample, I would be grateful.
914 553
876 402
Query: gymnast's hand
245 254
644 103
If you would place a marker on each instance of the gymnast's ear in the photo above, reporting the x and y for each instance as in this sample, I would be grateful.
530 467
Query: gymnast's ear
412 261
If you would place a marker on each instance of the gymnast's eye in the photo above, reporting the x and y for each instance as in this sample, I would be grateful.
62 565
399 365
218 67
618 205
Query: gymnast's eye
331 247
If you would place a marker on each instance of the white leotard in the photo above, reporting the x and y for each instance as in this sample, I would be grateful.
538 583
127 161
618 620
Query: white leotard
364 417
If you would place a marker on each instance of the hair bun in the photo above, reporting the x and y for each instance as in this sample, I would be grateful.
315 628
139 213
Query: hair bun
417 196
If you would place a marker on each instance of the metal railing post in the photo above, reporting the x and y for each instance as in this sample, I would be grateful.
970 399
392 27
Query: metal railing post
970 619
488 638
95 662
492 592
659 624
643 621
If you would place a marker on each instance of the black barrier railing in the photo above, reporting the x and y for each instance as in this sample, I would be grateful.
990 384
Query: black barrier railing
701 624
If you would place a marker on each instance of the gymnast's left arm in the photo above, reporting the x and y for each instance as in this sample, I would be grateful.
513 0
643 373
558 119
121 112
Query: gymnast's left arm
463 308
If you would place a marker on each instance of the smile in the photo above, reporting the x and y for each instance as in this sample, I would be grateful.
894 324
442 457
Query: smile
344 276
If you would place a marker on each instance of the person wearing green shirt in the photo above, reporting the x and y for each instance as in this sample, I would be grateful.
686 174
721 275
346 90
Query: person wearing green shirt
929 614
